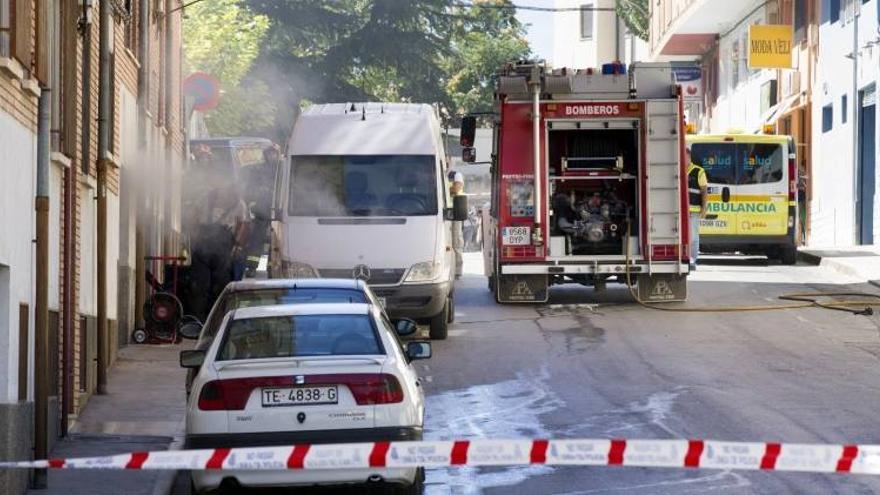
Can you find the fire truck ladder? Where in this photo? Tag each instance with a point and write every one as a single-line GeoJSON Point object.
{"type": "Point", "coordinates": [664, 215]}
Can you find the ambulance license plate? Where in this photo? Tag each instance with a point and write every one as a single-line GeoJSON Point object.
{"type": "Point", "coordinates": [516, 236]}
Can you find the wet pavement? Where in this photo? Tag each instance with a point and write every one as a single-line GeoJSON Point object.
{"type": "Point", "coordinates": [579, 368]}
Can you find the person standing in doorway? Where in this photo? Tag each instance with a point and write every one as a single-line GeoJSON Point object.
{"type": "Point", "coordinates": [456, 187]}
{"type": "Point", "coordinates": [698, 198]}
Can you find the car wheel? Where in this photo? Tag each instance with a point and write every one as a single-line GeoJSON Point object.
{"type": "Point", "coordinates": [788, 255]}
{"type": "Point", "coordinates": [451, 303]}
{"type": "Point", "coordinates": [439, 326]}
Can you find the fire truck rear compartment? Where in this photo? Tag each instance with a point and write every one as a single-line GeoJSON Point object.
{"type": "Point", "coordinates": [593, 176]}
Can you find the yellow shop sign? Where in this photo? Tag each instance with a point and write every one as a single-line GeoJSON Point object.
{"type": "Point", "coordinates": [770, 46]}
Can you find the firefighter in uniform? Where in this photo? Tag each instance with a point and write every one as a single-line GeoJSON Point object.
{"type": "Point", "coordinates": [698, 197]}
{"type": "Point", "coordinates": [456, 187]}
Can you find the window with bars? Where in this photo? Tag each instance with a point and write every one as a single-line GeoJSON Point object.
{"type": "Point", "coordinates": [5, 27]}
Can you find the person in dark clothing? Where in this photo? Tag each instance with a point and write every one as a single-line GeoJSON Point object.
{"type": "Point", "coordinates": [259, 190]}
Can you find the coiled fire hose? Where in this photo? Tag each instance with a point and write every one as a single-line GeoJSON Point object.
{"type": "Point", "coordinates": [863, 306]}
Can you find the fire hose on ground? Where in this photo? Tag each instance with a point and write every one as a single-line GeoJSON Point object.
{"type": "Point", "coordinates": [862, 306]}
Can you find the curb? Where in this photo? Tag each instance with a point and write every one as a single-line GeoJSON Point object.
{"type": "Point", "coordinates": [808, 257]}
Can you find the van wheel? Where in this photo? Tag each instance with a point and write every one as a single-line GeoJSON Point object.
{"type": "Point", "coordinates": [439, 326]}
{"type": "Point", "coordinates": [788, 255]}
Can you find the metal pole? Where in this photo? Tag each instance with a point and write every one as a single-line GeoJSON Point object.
{"type": "Point", "coordinates": [41, 306]}
{"type": "Point", "coordinates": [104, 123]}
{"type": "Point", "coordinates": [854, 121]}
{"type": "Point", "coordinates": [535, 82]}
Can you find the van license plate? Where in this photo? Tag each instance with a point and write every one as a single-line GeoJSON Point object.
{"type": "Point", "coordinates": [300, 396]}
{"type": "Point", "coordinates": [516, 236]}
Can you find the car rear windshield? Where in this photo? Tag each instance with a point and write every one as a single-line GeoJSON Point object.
{"type": "Point", "coordinates": [739, 163]}
{"type": "Point", "coordinates": [369, 185]}
{"type": "Point", "coordinates": [274, 297]}
{"type": "Point", "coordinates": [307, 335]}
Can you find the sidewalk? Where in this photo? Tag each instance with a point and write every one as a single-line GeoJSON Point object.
{"type": "Point", "coordinates": [143, 410]}
{"type": "Point", "coordinates": [857, 261]}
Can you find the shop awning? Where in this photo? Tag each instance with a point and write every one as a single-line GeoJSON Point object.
{"type": "Point", "coordinates": [775, 112]}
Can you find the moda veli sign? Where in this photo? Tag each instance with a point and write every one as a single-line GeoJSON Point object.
{"type": "Point", "coordinates": [770, 46]}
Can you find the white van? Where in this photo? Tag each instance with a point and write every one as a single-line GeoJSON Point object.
{"type": "Point", "coordinates": [364, 195]}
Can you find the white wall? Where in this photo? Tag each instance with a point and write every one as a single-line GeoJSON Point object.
{"type": "Point", "coordinates": [834, 165]}
{"type": "Point", "coordinates": [18, 169]}
{"type": "Point", "coordinates": [56, 195]}
{"type": "Point", "coordinates": [87, 302]}
{"type": "Point", "coordinates": [570, 50]}
{"type": "Point", "coordinates": [738, 105]}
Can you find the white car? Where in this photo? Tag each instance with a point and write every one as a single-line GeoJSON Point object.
{"type": "Point", "coordinates": [306, 373]}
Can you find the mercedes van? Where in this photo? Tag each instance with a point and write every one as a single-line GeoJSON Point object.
{"type": "Point", "coordinates": [752, 205]}
{"type": "Point", "coordinates": [363, 195]}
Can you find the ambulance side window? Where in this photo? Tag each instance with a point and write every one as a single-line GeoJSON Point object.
{"type": "Point", "coordinates": [717, 159]}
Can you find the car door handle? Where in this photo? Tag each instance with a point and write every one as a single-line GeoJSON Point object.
{"type": "Point", "coordinates": [725, 194]}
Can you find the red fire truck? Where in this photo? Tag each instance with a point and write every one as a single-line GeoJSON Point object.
{"type": "Point", "coordinates": [589, 182]}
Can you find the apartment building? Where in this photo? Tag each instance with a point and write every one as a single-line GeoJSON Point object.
{"type": "Point", "coordinates": [714, 35]}
{"type": "Point", "coordinates": [845, 208]}
{"type": "Point", "coordinates": [52, 50]}
{"type": "Point", "coordinates": [588, 33]}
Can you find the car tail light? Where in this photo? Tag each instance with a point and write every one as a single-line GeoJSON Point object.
{"type": "Point", "coordinates": [376, 389]}
{"type": "Point", "coordinates": [664, 252]}
{"type": "Point", "coordinates": [367, 389]}
{"type": "Point", "coordinates": [792, 177]}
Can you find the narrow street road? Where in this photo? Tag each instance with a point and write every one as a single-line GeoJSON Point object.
{"type": "Point", "coordinates": [619, 370]}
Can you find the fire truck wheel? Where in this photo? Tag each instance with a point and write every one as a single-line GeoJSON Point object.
{"type": "Point", "coordinates": [139, 336]}
{"type": "Point", "coordinates": [439, 326]}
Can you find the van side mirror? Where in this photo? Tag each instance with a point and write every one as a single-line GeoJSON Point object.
{"type": "Point", "coordinates": [459, 208]}
{"type": "Point", "coordinates": [468, 131]}
{"type": "Point", "coordinates": [405, 326]}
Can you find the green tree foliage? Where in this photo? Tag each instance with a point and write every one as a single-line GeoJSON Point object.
{"type": "Point", "coordinates": [354, 50]}
{"type": "Point", "coordinates": [635, 15]}
{"type": "Point", "coordinates": [483, 40]}
{"type": "Point", "coordinates": [223, 38]}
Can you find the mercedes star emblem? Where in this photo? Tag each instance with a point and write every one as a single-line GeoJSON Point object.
{"type": "Point", "coordinates": [361, 272]}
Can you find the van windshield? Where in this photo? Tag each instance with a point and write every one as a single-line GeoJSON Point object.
{"type": "Point", "coordinates": [739, 163]}
{"type": "Point", "coordinates": [372, 185]}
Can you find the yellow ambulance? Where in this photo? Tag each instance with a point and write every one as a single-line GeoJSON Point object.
{"type": "Point", "coordinates": [752, 205]}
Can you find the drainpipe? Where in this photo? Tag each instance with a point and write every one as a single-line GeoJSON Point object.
{"type": "Point", "coordinates": [104, 123]}
{"type": "Point", "coordinates": [854, 121]}
{"type": "Point", "coordinates": [41, 306]}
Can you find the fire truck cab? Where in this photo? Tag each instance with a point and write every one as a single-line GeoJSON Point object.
{"type": "Point", "coordinates": [589, 183]}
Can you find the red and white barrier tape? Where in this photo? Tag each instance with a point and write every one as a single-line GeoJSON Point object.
{"type": "Point", "coordinates": [709, 454]}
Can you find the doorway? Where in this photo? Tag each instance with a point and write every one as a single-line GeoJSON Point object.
{"type": "Point", "coordinates": [867, 163]}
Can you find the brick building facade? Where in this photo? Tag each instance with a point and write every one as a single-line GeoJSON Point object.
{"type": "Point", "coordinates": [42, 47]}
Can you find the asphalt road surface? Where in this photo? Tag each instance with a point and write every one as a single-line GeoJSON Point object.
{"type": "Point", "coordinates": [578, 367]}
{"type": "Point", "coordinates": [574, 368]}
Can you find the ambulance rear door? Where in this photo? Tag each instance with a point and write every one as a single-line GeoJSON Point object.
{"type": "Point", "coordinates": [761, 196]}
{"type": "Point", "coordinates": [718, 159]}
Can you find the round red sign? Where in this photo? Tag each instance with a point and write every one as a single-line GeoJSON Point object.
{"type": "Point", "coordinates": [204, 89]}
